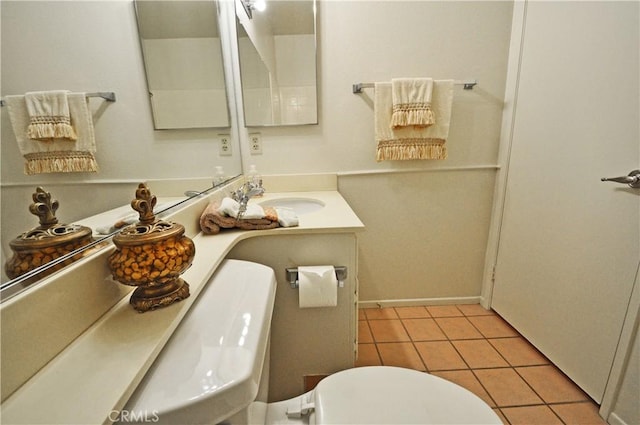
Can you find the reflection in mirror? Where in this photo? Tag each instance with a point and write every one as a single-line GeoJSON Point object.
{"type": "Point", "coordinates": [183, 61]}
{"type": "Point", "coordinates": [116, 219]}
{"type": "Point", "coordinates": [277, 51]}
{"type": "Point", "coordinates": [54, 21]}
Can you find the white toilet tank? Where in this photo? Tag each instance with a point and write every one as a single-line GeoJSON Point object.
{"type": "Point", "coordinates": [211, 367]}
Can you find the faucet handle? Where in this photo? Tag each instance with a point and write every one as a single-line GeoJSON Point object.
{"type": "Point", "coordinates": [237, 194]}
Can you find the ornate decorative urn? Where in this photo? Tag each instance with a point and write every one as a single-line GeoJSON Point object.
{"type": "Point", "coordinates": [47, 242]}
{"type": "Point", "coordinates": [151, 255]}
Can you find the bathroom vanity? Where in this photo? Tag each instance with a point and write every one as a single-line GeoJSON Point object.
{"type": "Point", "coordinates": [306, 341]}
{"type": "Point", "coordinates": [74, 350]}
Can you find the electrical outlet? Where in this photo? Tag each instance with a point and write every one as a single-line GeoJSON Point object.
{"type": "Point", "coordinates": [225, 145]}
{"type": "Point", "coordinates": [255, 144]}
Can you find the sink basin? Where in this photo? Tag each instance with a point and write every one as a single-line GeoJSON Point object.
{"type": "Point", "coordinates": [299, 205]}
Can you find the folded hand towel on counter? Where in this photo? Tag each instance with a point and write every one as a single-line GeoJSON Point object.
{"type": "Point", "coordinates": [58, 155]}
{"type": "Point", "coordinates": [411, 142]}
{"type": "Point", "coordinates": [412, 102]}
{"type": "Point", "coordinates": [286, 217]}
{"type": "Point", "coordinates": [213, 220]}
{"type": "Point", "coordinates": [49, 116]}
{"type": "Point", "coordinates": [231, 208]}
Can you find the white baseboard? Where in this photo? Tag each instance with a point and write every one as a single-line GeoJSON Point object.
{"type": "Point", "coordinates": [418, 302]}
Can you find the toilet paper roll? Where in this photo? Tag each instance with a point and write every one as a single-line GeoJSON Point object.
{"type": "Point", "coordinates": [318, 286]}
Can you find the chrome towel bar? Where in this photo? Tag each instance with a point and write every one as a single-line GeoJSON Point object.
{"type": "Point", "coordinates": [109, 96]}
{"type": "Point", "coordinates": [467, 85]}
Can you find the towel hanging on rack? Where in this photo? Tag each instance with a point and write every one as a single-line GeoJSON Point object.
{"type": "Point", "coordinates": [56, 155]}
{"type": "Point", "coordinates": [412, 102]}
{"type": "Point", "coordinates": [409, 142]}
{"type": "Point", "coordinates": [49, 116]}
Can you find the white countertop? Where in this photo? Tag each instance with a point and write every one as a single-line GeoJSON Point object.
{"type": "Point", "coordinates": [96, 374]}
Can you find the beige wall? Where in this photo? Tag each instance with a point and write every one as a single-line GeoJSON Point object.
{"type": "Point", "coordinates": [363, 41]}
{"type": "Point", "coordinates": [376, 40]}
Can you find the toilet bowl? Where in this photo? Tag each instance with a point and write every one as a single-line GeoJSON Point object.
{"type": "Point", "coordinates": [383, 395]}
{"type": "Point", "coordinates": [214, 370]}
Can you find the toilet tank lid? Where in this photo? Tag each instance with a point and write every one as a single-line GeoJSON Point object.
{"type": "Point", "coordinates": [384, 395]}
{"type": "Point", "coordinates": [212, 363]}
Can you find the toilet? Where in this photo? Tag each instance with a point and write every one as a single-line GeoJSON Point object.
{"type": "Point", "coordinates": [215, 370]}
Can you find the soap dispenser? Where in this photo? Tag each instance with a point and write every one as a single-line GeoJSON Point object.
{"type": "Point", "coordinates": [219, 177]}
{"type": "Point", "coordinates": [253, 177]}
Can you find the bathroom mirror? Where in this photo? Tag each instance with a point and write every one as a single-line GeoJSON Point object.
{"type": "Point", "coordinates": [101, 239]}
{"type": "Point", "coordinates": [116, 25]}
{"type": "Point", "coordinates": [183, 62]}
{"type": "Point", "coordinates": [277, 54]}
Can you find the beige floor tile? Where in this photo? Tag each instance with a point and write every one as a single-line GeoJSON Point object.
{"type": "Point", "coordinates": [380, 313]}
{"type": "Point", "coordinates": [361, 314]}
{"type": "Point", "coordinates": [579, 413]}
{"type": "Point", "coordinates": [478, 353]}
{"type": "Point", "coordinates": [530, 415]}
{"type": "Point", "coordinates": [368, 355]}
{"type": "Point", "coordinates": [440, 355]}
{"type": "Point", "coordinates": [476, 349]}
{"type": "Point", "coordinates": [388, 331]}
{"type": "Point", "coordinates": [466, 379]}
{"type": "Point", "coordinates": [518, 351]}
{"type": "Point", "coordinates": [492, 326]}
{"type": "Point", "coordinates": [364, 333]}
{"type": "Point", "coordinates": [457, 328]}
{"type": "Point", "coordinates": [444, 311]}
{"type": "Point", "coordinates": [551, 384]}
{"type": "Point", "coordinates": [506, 387]}
{"type": "Point", "coordinates": [423, 330]}
{"type": "Point", "coordinates": [412, 312]}
{"type": "Point", "coordinates": [474, 310]}
{"type": "Point", "coordinates": [401, 354]}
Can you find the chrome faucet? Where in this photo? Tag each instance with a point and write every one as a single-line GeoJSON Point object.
{"type": "Point", "coordinates": [246, 192]}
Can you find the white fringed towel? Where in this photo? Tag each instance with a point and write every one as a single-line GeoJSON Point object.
{"type": "Point", "coordinates": [49, 116]}
{"type": "Point", "coordinates": [407, 143]}
{"type": "Point", "coordinates": [412, 102]}
{"type": "Point", "coordinates": [57, 155]}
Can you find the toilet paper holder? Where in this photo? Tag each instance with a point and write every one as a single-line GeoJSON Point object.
{"type": "Point", "coordinates": [292, 276]}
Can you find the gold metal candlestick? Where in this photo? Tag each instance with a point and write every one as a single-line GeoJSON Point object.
{"type": "Point", "coordinates": [151, 255]}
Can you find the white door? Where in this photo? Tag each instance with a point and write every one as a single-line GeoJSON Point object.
{"type": "Point", "coordinates": [569, 243]}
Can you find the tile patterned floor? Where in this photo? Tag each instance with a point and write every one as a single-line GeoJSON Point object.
{"type": "Point", "coordinates": [478, 350]}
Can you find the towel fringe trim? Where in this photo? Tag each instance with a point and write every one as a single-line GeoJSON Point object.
{"type": "Point", "coordinates": [48, 128]}
{"type": "Point", "coordinates": [60, 162]}
{"type": "Point", "coordinates": [400, 150]}
{"type": "Point", "coordinates": [417, 114]}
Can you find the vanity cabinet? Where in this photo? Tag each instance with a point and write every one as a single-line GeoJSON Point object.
{"type": "Point", "coordinates": [306, 341]}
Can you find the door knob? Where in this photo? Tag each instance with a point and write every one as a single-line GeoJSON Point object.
{"type": "Point", "coordinates": [632, 179]}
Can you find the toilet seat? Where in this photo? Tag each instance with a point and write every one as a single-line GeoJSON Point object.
{"type": "Point", "coordinates": [393, 395]}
